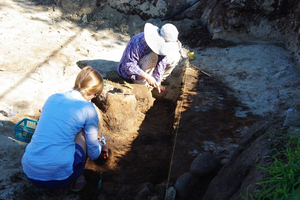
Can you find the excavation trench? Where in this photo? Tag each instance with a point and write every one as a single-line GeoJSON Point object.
{"type": "Point", "coordinates": [146, 159]}
{"type": "Point", "coordinates": [173, 132]}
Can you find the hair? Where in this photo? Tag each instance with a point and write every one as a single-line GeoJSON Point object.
{"type": "Point", "coordinates": [89, 80]}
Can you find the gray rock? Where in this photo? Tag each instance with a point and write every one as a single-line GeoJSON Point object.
{"type": "Point", "coordinates": [203, 165]}
{"type": "Point", "coordinates": [185, 185]}
{"type": "Point", "coordinates": [145, 191]}
{"type": "Point", "coordinates": [292, 118]}
{"type": "Point", "coordinates": [237, 177]}
{"type": "Point", "coordinates": [171, 193]}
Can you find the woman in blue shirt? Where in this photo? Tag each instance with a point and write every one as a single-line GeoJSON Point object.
{"type": "Point", "coordinates": [67, 132]}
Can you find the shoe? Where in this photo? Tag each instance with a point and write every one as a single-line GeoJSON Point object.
{"type": "Point", "coordinates": [78, 185]}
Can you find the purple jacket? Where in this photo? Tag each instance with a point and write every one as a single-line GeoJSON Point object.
{"type": "Point", "coordinates": [136, 48]}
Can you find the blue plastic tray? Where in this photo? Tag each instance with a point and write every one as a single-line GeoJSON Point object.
{"type": "Point", "coordinates": [24, 129]}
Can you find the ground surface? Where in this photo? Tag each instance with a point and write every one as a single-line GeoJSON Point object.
{"type": "Point", "coordinates": [226, 88]}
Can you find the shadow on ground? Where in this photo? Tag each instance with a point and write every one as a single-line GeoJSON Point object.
{"type": "Point", "coordinates": [203, 120]}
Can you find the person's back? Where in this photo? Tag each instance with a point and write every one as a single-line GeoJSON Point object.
{"type": "Point", "coordinates": [136, 49]}
{"type": "Point", "coordinates": [63, 117]}
{"type": "Point", "coordinates": [66, 133]}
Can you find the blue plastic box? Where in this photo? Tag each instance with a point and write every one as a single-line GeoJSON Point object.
{"type": "Point", "coordinates": [24, 129]}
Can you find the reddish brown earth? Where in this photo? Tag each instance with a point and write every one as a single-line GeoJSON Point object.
{"type": "Point", "coordinates": [147, 160]}
{"type": "Point", "coordinates": [203, 112]}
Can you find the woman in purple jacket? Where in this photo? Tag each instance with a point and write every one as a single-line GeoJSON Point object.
{"type": "Point", "coordinates": [150, 56]}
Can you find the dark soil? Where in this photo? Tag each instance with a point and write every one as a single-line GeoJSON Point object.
{"type": "Point", "coordinates": [199, 36]}
{"type": "Point", "coordinates": [148, 159]}
{"type": "Point", "coordinates": [204, 112]}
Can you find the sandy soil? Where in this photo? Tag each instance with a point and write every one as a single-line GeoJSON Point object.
{"type": "Point", "coordinates": [225, 90]}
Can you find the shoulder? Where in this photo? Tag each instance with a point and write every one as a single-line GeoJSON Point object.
{"type": "Point", "coordinates": [55, 97]}
{"type": "Point", "coordinates": [138, 37]}
{"type": "Point", "coordinates": [89, 109]}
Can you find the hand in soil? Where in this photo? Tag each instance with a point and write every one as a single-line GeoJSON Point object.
{"type": "Point", "coordinates": [162, 89]}
{"type": "Point", "coordinates": [104, 152]}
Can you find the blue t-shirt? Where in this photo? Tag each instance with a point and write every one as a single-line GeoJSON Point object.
{"type": "Point", "coordinates": [50, 154]}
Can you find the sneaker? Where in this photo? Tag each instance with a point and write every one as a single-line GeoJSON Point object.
{"type": "Point", "coordinates": [78, 185]}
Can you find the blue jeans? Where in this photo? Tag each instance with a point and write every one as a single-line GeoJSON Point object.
{"type": "Point", "coordinates": [78, 167]}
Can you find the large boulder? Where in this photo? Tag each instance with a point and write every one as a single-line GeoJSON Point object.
{"type": "Point", "coordinates": [238, 177]}
{"type": "Point", "coordinates": [185, 186]}
{"type": "Point", "coordinates": [204, 164]}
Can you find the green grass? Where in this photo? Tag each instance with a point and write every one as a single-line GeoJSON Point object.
{"type": "Point", "coordinates": [283, 180]}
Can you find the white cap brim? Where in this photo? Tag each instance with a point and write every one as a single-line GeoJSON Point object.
{"type": "Point", "coordinates": [156, 42]}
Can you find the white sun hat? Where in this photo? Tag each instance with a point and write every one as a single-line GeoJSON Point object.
{"type": "Point", "coordinates": [161, 41]}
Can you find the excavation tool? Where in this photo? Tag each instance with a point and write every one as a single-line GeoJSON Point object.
{"type": "Point", "coordinates": [127, 85]}
{"type": "Point", "coordinates": [103, 138]}
{"type": "Point", "coordinates": [100, 181]}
